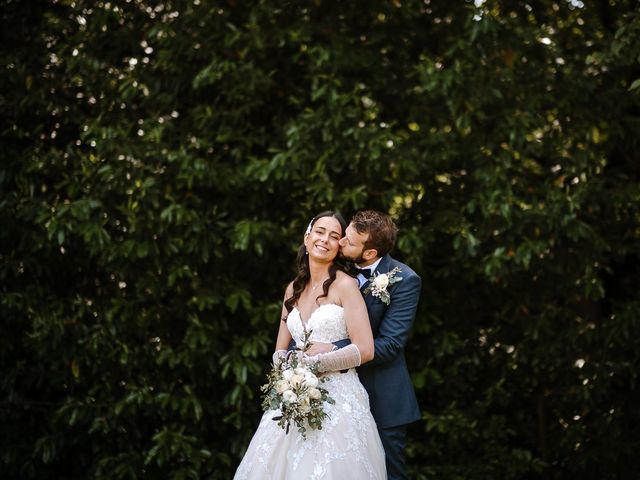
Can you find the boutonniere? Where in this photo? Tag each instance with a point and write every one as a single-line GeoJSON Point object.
{"type": "Point", "coordinates": [379, 282]}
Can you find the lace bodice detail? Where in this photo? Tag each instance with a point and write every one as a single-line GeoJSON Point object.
{"type": "Point", "coordinates": [326, 324]}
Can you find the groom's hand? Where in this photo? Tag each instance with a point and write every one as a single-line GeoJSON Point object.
{"type": "Point", "coordinates": [318, 348]}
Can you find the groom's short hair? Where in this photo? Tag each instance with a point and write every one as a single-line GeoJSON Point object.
{"type": "Point", "coordinates": [380, 227]}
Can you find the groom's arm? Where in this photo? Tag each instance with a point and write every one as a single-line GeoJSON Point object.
{"type": "Point", "coordinates": [342, 343]}
{"type": "Point", "coordinates": [339, 343]}
{"type": "Point", "coordinates": [398, 319]}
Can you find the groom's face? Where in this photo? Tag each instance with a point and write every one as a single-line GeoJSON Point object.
{"type": "Point", "coordinates": [352, 245]}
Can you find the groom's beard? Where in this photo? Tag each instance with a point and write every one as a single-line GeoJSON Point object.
{"type": "Point", "coordinates": [357, 260]}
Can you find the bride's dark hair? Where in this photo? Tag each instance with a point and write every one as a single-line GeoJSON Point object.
{"type": "Point", "coordinates": [302, 264]}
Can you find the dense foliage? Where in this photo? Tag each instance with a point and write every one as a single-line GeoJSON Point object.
{"type": "Point", "coordinates": [162, 158]}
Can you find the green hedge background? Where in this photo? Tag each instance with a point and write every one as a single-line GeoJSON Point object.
{"type": "Point", "coordinates": [161, 160]}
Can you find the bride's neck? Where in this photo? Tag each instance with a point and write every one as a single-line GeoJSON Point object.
{"type": "Point", "coordinates": [318, 272]}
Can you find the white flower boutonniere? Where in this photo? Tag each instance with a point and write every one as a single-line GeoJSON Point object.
{"type": "Point", "coordinates": [379, 282]}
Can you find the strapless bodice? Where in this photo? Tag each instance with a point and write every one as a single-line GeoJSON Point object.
{"type": "Point", "coordinates": [326, 324]}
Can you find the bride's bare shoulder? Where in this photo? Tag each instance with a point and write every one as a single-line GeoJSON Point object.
{"type": "Point", "coordinates": [346, 281]}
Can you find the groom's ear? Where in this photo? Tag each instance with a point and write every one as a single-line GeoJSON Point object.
{"type": "Point", "coordinates": [370, 254]}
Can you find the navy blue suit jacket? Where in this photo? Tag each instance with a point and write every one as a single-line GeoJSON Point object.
{"type": "Point", "coordinates": [386, 377]}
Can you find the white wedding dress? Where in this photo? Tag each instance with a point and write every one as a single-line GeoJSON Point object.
{"type": "Point", "coordinates": [347, 447]}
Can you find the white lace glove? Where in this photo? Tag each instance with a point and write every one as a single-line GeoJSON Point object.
{"type": "Point", "coordinates": [278, 355]}
{"type": "Point", "coordinates": [342, 359]}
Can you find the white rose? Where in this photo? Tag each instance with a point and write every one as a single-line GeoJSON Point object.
{"type": "Point", "coordinates": [381, 281]}
{"type": "Point", "coordinates": [287, 374]}
{"type": "Point", "coordinates": [296, 380]}
{"type": "Point", "coordinates": [282, 385]}
{"type": "Point", "coordinates": [301, 371]}
{"type": "Point", "coordinates": [305, 406]}
{"type": "Point", "coordinates": [315, 394]}
{"type": "Point", "coordinates": [289, 397]}
{"type": "Point", "coordinates": [310, 381]}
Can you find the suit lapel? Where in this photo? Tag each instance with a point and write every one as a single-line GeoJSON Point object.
{"type": "Point", "coordinates": [364, 285]}
{"type": "Point", "coordinates": [375, 307]}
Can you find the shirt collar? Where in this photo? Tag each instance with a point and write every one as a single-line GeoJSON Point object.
{"type": "Point", "coordinates": [373, 266]}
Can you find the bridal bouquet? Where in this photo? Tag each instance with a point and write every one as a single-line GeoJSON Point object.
{"type": "Point", "coordinates": [294, 389]}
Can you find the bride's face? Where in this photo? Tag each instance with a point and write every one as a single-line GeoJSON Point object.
{"type": "Point", "coordinates": [323, 241]}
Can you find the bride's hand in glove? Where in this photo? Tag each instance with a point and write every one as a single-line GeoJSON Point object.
{"type": "Point", "coordinates": [310, 360]}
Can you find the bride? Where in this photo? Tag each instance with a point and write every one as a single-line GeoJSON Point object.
{"type": "Point", "coordinates": [326, 301]}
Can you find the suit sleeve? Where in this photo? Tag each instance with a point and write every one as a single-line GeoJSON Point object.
{"type": "Point", "coordinates": [398, 319]}
{"type": "Point", "coordinates": [342, 343]}
{"type": "Point", "coordinates": [338, 343]}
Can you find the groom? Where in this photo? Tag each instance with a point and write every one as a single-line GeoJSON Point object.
{"type": "Point", "coordinates": [392, 307]}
